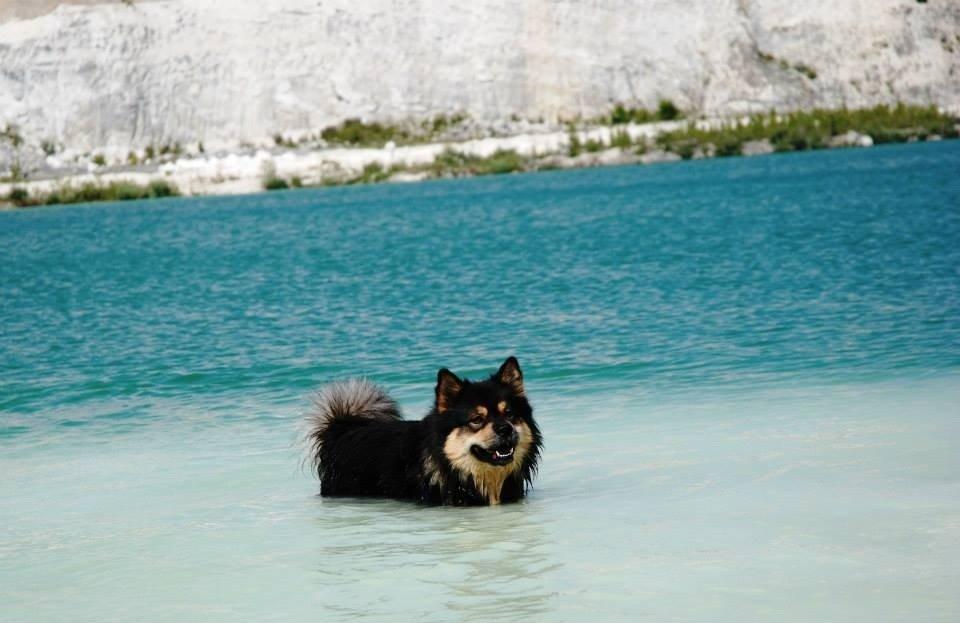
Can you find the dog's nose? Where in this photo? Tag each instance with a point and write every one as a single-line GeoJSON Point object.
{"type": "Point", "coordinates": [504, 429]}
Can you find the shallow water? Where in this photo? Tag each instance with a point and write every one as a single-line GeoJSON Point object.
{"type": "Point", "coordinates": [747, 372]}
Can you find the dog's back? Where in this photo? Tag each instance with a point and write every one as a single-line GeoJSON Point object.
{"type": "Point", "coordinates": [360, 444]}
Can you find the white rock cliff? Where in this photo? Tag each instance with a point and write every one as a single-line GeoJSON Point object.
{"type": "Point", "coordinates": [127, 74]}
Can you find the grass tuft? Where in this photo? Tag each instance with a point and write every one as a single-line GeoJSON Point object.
{"type": "Point", "coordinates": [800, 131]}
{"type": "Point", "coordinates": [91, 192]}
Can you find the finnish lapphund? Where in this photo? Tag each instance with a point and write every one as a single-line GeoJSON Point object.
{"type": "Point", "coordinates": [478, 445]}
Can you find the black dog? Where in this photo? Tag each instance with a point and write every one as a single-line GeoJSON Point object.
{"type": "Point", "coordinates": [478, 445]}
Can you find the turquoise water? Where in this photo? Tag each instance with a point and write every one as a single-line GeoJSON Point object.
{"type": "Point", "coordinates": [747, 372]}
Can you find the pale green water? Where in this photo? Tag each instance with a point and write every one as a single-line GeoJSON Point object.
{"type": "Point", "coordinates": [747, 373]}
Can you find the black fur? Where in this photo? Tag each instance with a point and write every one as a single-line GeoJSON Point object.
{"type": "Point", "coordinates": [361, 446]}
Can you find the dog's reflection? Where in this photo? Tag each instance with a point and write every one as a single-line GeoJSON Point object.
{"type": "Point", "coordinates": [378, 558]}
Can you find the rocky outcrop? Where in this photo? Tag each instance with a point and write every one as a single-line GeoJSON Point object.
{"type": "Point", "coordinates": [128, 74]}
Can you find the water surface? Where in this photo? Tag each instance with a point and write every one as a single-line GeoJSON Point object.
{"type": "Point", "coordinates": [747, 372]}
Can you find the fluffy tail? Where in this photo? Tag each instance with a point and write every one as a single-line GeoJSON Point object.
{"type": "Point", "coordinates": [341, 405]}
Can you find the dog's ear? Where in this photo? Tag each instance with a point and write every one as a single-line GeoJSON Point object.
{"type": "Point", "coordinates": [510, 375]}
{"type": "Point", "coordinates": [448, 386]}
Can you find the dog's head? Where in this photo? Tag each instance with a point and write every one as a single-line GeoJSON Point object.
{"type": "Point", "coordinates": [487, 428]}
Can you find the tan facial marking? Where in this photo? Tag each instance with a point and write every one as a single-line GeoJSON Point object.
{"type": "Point", "coordinates": [502, 406]}
{"type": "Point", "coordinates": [488, 478]}
{"type": "Point", "coordinates": [481, 411]}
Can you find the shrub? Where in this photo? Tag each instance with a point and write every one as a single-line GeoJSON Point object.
{"type": "Point", "coordinates": [126, 191]}
{"type": "Point", "coordinates": [99, 160]}
{"type": "Point", "coordinates": [174, 149]}
{"type": "Point", "coordinates": [621, 140]}
{"type": "Point", "coordinates": [372, 173]}
{"type": "Point", "coordinates": [162, 188]}
{"type": "Point", "coordinates": [576, 147]}
{"type": "Point", "coordinates": [12, 134]}
{"type": "Point", "coordinates": [813, 129]}
{"type": "Point", "coordinates": [728, 146]}
{"type": "Point", "coordinates": [454, 163]}
{"type": "Point", "coordinates": [441, 123]}
{"type": "Point", "coordinates": [502, 161]}
{"type": "Point", "coordinates": [275, 183]}
{"type": "Point", "coordinates": [684, 149]}
{"type": "Point", "coordinates": [19, 196]}
{"type": "Point", "coordinates": [806, 70]}
{"type": "Point", "coordinates": [114, 191]}
{"type": "Point", "coordinates": [17, 173]}
{"type": "Point", "coordinates": [356, 132]}
{"type": "Point", "coordinates": [593, 145]}
{"type": "Point", "coordinates": [667, 111]}
{"type": "Point", "coordinates": [622, 114]}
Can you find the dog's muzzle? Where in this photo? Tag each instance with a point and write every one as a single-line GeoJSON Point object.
{"type": "Point", "coordinates": [502, 451]}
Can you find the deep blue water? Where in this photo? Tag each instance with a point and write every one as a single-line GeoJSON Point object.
{"type": "Point", "coordinates": [825, 265]}
{"type": "Point", "coordinates": [182, 337]}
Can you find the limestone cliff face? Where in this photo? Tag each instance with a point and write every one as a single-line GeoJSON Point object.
{"type": "Point", "coordinates": [116, 75]}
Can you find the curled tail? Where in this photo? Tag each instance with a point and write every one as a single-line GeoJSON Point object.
{"type": "Point", "coordinates": [341, 406]}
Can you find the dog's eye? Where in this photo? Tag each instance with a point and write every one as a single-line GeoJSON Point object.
{"type": "Point", "coordinates": [476, 421]}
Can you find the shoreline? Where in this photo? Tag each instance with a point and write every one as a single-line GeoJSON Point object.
{"type": "Point", "coordinates": [614, 143]}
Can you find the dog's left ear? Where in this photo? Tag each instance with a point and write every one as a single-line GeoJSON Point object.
{"type": "Point", "coordinates": [448, 386]}
{"type": "Point", "coordinates": [510, 375]}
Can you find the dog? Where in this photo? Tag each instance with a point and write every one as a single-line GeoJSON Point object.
{"type": "Point", "coordinates": [478, 445]}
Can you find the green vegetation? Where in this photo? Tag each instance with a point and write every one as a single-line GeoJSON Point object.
{"type": "Point", "coordinates": [89, 192]}
{"type": "Point", "coordinates": [452, 163]}
{"type": "Point", "coordinates": [174, 150]}
{"type": "Point", "coordinates": [621, 140]}
{"type": "Point", "coordinates": [666, 111]}
{"type": "Point", "coordinates": [275, 183]}
{"type": "Point", "coordinates": [804, 69]}
{"type": "Point", "coordinates": [357, 133]}
{"type": "Point", "coordinates": [12, 134]}
{"type": "Point", "coordinates": [281, 141]}
{"type": "Point", "coordinates": [442, 123]}
{"type": "Point", "coordinates": [787, 132]}
{"type": "Point", "coordinates": [813, 129]}
{"type": "Point", "coordinates": [780, 132]}
{"type": "Point", "coordinates": [17, 173]}
{"type": "Point", "coordinates": [593, 146]}
{"type": "Point", "coordinates": [18, 196]}
{"type": "Point", "coordinates": [372, 173]}
{"type": "Point", "coordinates": [576, 147]}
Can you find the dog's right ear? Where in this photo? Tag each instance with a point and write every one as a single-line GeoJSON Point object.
{"type": "Point", "coordinates": [448, 386]}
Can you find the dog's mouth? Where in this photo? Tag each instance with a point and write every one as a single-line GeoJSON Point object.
{"type": "Point", "coordinates": [501, 455]}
